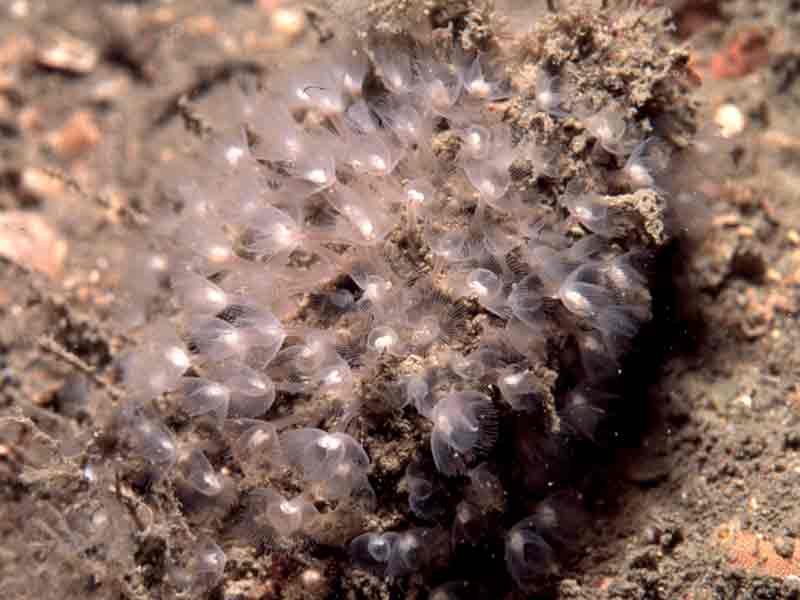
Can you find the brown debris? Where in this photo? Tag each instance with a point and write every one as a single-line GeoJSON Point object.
{"type": "Point", "coordinates": [288, 21]}
{"type": "Point", "coordinates": [750, 552]}
{"type": "Point", "coordinates": [760, 310]}
{"type": "Point", "coordinates": [79, 134]}
{"type": "Point", "coordinates": [780, 140]}
{"type": "Point", "coordinates": [68, 53]}
{"type": "Point", "coordinates": [647, 210]}
{"type": "Point", "coordinates": [15, 49]}
{"type": "Point", "coordinates": [201, 25]}
{"type": "Point", "coordinates": [110, 89]}
{"type": "Point", "coordinates": [41, 185]}
{"type": "Point", "coordinates": [28, 240]}
{"type": "Point", "coordinates": [30, 119]}
{"type": "Point", "coordinates": [748, 51]}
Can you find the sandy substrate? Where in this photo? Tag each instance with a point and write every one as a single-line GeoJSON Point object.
{"type": "Point", "coordinates": [700, 504]}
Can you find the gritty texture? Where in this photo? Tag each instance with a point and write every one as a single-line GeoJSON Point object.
{"type": "Point", "coordinates": [682, 512]}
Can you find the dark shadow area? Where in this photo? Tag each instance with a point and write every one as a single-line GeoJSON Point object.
{"type": "Point", "coordinates": [584, 484]}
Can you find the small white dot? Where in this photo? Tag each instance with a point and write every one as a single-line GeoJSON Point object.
{"type": "Point", "coordinates": [416, 196]}
{"type": "Point", "coordinates": [378, 163]}
{"type": "Point", "coordinates": [318, 176]}
{"type": "Point", "coordinates": [178, 357]}
{"type": "Point", "coordinates": [233, 154]}
{"type": "Point", "coordinates": [478, 288]}
{"type": "Point", "coordinates": [329, 442]}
